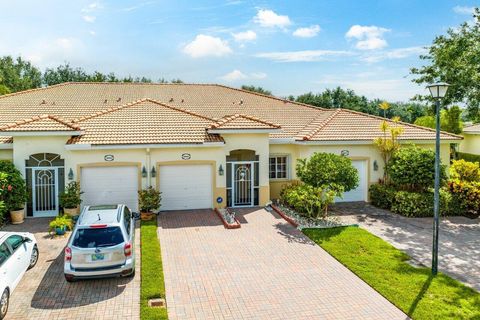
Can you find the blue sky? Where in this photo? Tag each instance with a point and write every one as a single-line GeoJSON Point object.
{"type": "Point", "coordinates": [288, 47]}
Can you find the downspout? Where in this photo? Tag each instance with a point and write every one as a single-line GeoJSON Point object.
{"type": "Point", "coordinates": [149, 172]}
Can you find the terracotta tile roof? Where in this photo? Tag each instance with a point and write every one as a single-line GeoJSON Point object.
{"type": "Point", "coordinates": [350, 125]}
{"type": "Point", "coordinates": [144, 122]}
{"type": "Point", "coordinates": [472, 129]}
{"type": "Point", "coordinates": [240, 121]}
{"type": "Point", "coordinates": [100, 107]}
{"type": "Point", "coordinates": [41, 123]}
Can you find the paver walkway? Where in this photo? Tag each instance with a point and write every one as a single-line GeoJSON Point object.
{"type": "Point", "coordinates": [459, 249]}
{"type": "Point", "coordinates": [43, 292]}
{"type": "Point", "coordinates": [264, 270]}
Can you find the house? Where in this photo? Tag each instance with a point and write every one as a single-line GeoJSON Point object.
{"type": "Point", "coordinates": [471, 142]}
{"type": "Point", "coordinates": [201, 145]}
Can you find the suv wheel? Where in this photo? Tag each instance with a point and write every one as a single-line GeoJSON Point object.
{"type": "Point", "coordinates": [4, 303]}
{"type": "Point", "coordinates": [33, 258]}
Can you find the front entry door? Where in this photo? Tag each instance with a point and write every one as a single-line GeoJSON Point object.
{"type": "Point", "coordinates": [45, 191]}
{"type": "Point", "coordinates": [242, 177]}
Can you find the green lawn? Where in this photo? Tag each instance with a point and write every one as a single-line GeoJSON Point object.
{"type": "Point", "coordinates": [383, 267]}
{"type": "Point", "coordinates": [153, 285]}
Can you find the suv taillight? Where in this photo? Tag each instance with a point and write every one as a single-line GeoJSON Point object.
{"type": "Point", "coordinates": [127, 249]}
{"type": "Point", "coordinates": [68, 254]}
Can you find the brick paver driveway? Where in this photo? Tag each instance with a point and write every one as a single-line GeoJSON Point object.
{"type": "Point", "coordinates": [265, 270]}
{"type": "Point", "coordinates": [43, 292]}
{"type": "Point", "coordinates": [459, 249]}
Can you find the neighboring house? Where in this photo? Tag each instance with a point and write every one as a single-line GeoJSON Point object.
{"type": "Point", "coordinates": [202, 146]}
{"type": "Point", "coordinates": [471, 142]}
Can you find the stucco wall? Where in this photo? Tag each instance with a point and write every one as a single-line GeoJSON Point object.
{"type": "Point", "coordinates": [470, 144]}
{"type": "Point", "coordinates": [6, 154]}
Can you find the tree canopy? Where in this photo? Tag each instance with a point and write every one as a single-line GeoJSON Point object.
{"type": "Point", "coordinates": [455, 58]}
{"type": "Point", "coordinates": [450, 120]}
{"type": "Point", "coordinates": [17, 75]}
{"type": "Point", "coordinates": [257, 90]}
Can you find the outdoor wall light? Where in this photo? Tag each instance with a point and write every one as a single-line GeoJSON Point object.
{"type": "Point", "coordinates": [153, 172]}
{"type": "Point", "coordinates": [375, 165]}
{"type": "Point", "coordinates": [220, 170]}
{"type": "Point", "coordinates": [70, 174]}
{"type": "Point", "coordinates": [144, 172]}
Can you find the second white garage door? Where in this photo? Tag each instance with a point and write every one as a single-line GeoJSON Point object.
{"type": "Point", "coordinates": [360, 193]}
{"type": "Point", "coordinates": [186, 187]}
{"type": "Point", "coordinates": [110, 185]}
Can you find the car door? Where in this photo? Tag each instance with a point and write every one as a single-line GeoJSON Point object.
{"type": "Point", "coordinates": [8, 272]}
{"type": "Point", "coordinates": [20, 258]}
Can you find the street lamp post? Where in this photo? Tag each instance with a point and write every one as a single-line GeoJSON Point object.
{"type": "Point", "coordinates": [438, 91]}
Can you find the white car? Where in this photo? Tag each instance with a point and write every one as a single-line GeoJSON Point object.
{"type": "Point", "coordinates": [101, 244]}
{"type": "Point", "coordinates": [18, 253]}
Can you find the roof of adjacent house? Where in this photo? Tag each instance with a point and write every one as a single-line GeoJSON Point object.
{"type": "Point", "coordinates": [139, 113]}
{"type": "Point", "coordinates": [472, 129]}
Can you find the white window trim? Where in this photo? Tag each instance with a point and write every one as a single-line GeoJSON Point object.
{"type": "Point", "coordinates": [276, 155]}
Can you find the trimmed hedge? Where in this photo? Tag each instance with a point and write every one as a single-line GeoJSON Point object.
{"type": "Point", "coordinates": [468, 156]}
{"type": "Point", "coordinates": [420, 204]}
{"type": "Point", "coordinates": [382, 196]}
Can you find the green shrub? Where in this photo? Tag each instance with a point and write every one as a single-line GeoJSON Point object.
{"type": "Point", "coordinates": [307, 200]}
{"type": "Point", "coordinates": [149, 199]}
{"type": "Point", "coordinates": [328, 171]}
{"type": "Point", "coordinates": [420, 204]}
{"type": "Point", "coordinates": [465, 171]}
{"type": "Point", "coordinates": [70, 198]}
{"type": "Point", "coordinates": [466, 196]}
{"type": "Point", "coordinates": [468, 156]}
{"type": "Point", "coordinates": [413, 168]}
{"type": "Point", "coordinates": [15, 192]}
{"type": "Point", "coordinates": [381, 195]}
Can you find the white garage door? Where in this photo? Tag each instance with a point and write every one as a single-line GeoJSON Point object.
{"type": "Point", "coordinates": [186, 187]}
{"type": "Point", "coordinates": [360, 193]}
{"type": "Point", "coordinates": [110, 185]}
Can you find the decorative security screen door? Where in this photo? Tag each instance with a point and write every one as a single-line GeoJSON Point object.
{"type": "Point", "coordinates": [45, 191]}
{"type": "Point", "coordinates": [242, 183]}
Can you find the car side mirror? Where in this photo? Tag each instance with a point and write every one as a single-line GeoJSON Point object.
{"type": "Point", "coordinates": [136, 215]}
{"type": "Point", "coordinates": [27, 240]}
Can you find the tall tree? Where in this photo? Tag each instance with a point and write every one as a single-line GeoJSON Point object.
{"type": "Point", "coordinates": [455, 58]}
{"type": "Point", "coordinates": [257, 89]}
{"type": "Point", "coordinates": [18, 74]}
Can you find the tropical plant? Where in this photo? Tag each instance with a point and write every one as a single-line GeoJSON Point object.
{"type": "Point", "coordinates": [413, 168]}
{"type": "Point", "coordinates": [465, 171]}
{"type": "Point", "coordinates": [328, 171]}
{"type": "Point", "coordinates": [149, 199]}
{"type": "Point", "coordinates": [3, 190]}
{"type": "Point", "coordinates": [71, 197]}
{"type": "Point", "coordinates": [15, 193]}
{"type": "Point", "coordinates": [61, 222]}
{"type": "Point", "coordinates": [307, 200]}
{"type": "Point", "coordinates": [382, 195]}
{"type": "Point", "coordinates": [388, 144]}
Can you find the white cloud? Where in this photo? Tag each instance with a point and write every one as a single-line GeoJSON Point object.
{"type": "Point", "coordinates": [399, 53]}
{"type": "Point", "coordinates": [236, 75]}
{"type": "Point", "coordinates": [306, 56]}
{"type": "Point", "coordinates": [244, 36]}
{"type": "Point", "coordinates": [368, 37]}
{"type": "Point", "coordinates": [92, 33]}
{"type": "Point", "coordinates": [309, 32]}
{"type": "Point", "coordinates": [268, 18]}
{"type": "Point", "coordinates": [204, 46]}
{"type": "Point", "coordinates": [464, 10]}
{"type": "Point", "coordinates": [89, 19]}
{"type": "Point", "coordinates": [46, 53]}
{"type": "Point", "coordinates": [92, 7]}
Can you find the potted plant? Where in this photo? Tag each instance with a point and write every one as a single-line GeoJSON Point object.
{"type": "Point", "coordinates": [70, 199]}
{"type": "Point", "coordinates": [14, 191]}
{"type": "Point", "coordinates": [61, 224]}
{"type": "Point", "coordinates": [148, 200]}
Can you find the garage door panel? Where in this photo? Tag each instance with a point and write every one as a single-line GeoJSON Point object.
{"type": "Point", "coordinates": [186, 187]}
{"type": "Point", "coordinates": [110, 185]}
{"type": "Point", "coordinates": [358, 194]}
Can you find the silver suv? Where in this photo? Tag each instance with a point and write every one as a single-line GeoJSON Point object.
{"type": "Point", "coordinates": [101, 244]}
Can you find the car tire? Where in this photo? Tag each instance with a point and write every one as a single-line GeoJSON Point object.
{"type": "Point", "coordinates": [4, 300]}
{"type": "Point", "coordinates": [34, 257]}
{"type": "Point", "coordinates": [69, 279]}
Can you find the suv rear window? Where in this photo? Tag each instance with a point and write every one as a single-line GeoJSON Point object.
{"type": "Point", "coordinates": [95, 238]}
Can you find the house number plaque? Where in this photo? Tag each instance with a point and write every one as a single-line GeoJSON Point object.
{"type": "Point", "coordinates": [109, 157]}
{"type": "Point", "coordinates": [186, 156]}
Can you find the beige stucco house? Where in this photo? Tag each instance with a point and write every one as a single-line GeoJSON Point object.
{"type": "Point", "coordinates": [202, 146]}
{"type": "Point", "coordinates": [471, 142]}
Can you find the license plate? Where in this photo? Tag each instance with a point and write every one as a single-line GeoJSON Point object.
{"type": "Point", "coordinates": [98, 256]}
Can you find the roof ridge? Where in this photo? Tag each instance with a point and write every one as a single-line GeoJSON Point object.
{"type": "Point", "coordinates": [320, 126]}
{"type": "Point", "coordinates": [229, 118]}
{"type": "Point", "coordinates": [33, 89]}
{"type": "Point", "coordinates": [401, 122]}
{"type": "Point", "coordinates": [253, 118]}
{"type": "Point", "coordinates": [39, 118]}
{"type": "Point", "coordinates": [180, 109]}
